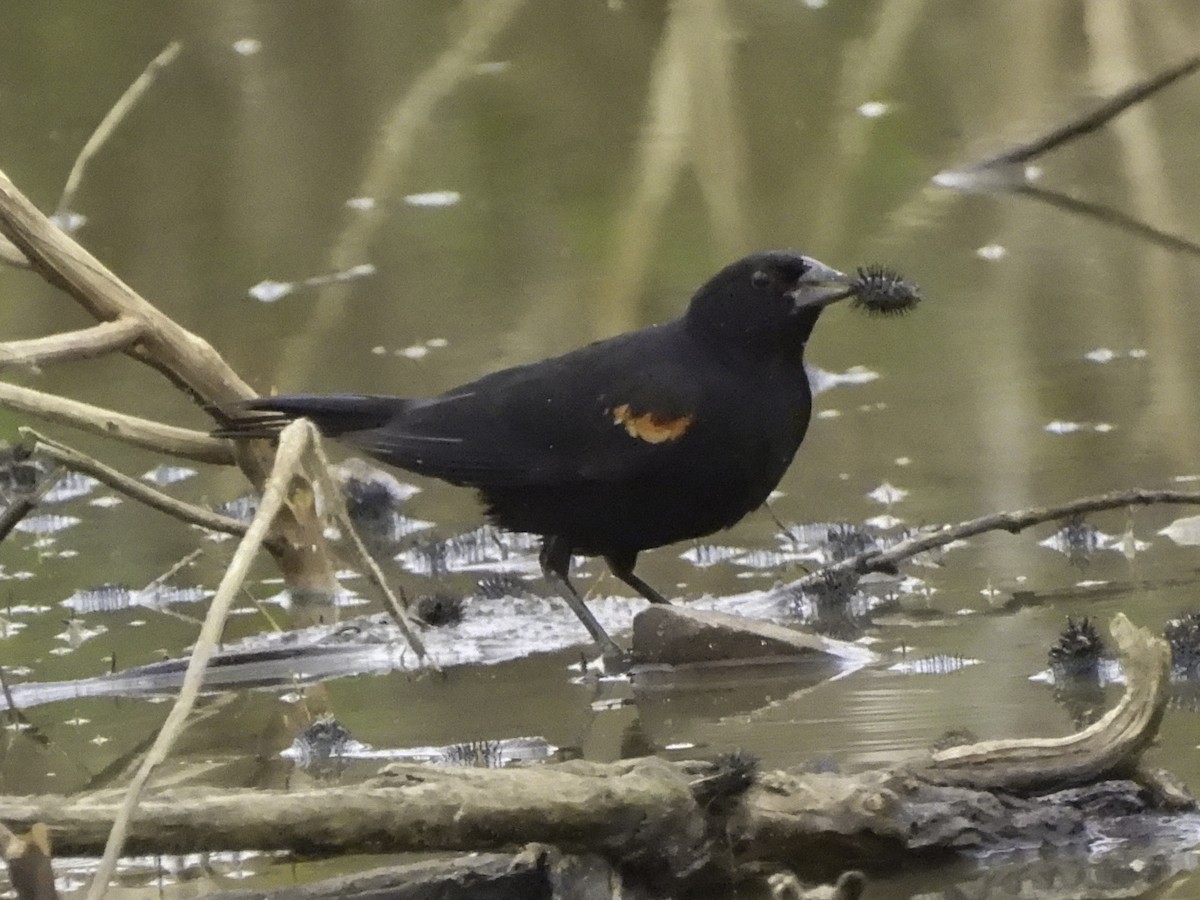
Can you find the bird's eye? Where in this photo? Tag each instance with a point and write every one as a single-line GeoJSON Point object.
{"type": "Point", "coordinates": [760, 279]}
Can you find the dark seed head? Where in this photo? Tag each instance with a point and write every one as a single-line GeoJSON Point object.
{"type": "Point", "coordinates": [1078, 650]}
{"type": "Point", "coordinates": [882, 292]}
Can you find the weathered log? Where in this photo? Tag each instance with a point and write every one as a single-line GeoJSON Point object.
{"type": "Point", "coordinates": [640, 812]}
{"type": "Point", "coordinates": [662, 820]}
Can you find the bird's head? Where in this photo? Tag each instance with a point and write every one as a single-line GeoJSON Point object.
{"type": "Point", "coordinates": [766, 303]}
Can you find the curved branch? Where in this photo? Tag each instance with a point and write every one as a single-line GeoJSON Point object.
{"type": "Point", "coordinates": [118, 334]}
{"type": "Point", "coordinates": [1111, 746]}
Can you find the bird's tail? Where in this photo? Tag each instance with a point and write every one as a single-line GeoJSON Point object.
{"type": "Point", "coordinates": [333, 414]}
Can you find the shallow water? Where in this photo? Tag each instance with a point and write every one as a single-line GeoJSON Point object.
{"type": "Point", "coordinates": [525, 177]}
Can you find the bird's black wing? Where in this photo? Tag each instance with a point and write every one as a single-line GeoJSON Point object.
{"type": "Point", "coordinates": [604, 412]}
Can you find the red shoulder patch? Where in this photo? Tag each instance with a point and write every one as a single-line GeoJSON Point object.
{"type": "Point", "coordinates": [650, 427]}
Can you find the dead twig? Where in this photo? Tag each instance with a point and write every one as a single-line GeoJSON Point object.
{"type": "Point", "coordinates": [97, 340]}
{"type": "Point", "coordinates": [885, 560]}
{"type": "Point", "coordinates": [131, 487]}
{"type": "Point", "coordinates": [398, 609]}
{"type": "Point", "coordinates": [1008, 171]}
{"type": "Point", "coordinates": [188, 361]}
{"type": "Point", "coordinates": [144, 433]}
{"type": "Point", "coordinates": [111, 120]}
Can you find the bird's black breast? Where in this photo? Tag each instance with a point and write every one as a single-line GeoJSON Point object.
{"type": "Point", "coordinates": [685, 471]}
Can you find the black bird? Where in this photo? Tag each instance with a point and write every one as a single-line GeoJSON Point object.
{"type": "Point", "coordinates": [651, 437]}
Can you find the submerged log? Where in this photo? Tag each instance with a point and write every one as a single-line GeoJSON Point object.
{"type": "Point", "coordinates": [675, 823]}
{"type": "Point", "coordinates": [536, 873]}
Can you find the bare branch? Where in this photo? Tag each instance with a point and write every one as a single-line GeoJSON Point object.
{"type": "Point", "coordinates": [876, 560]}
{"type": "Point", "coordinates": [184, 442]}
{"type": "Point", "coordinates": [398, 610]}
{"type": "Point", "coordinates": [83, 344]}
{"type": "Point", "coordinates": [187, 360]}
{"type": "Point", "coordinates": [132, 488]}
{"type": "Point", "coordinates": [109, 123]}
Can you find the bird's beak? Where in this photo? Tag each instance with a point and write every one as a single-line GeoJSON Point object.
{"type": "Point", "coordinates": [820, 286]}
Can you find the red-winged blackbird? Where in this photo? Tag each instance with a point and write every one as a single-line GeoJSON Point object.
{"type": "Point", "coordinates": [648, 438]}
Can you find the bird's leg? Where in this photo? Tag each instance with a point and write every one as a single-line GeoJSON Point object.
{"type": "Point", "coordinates": [555, 560]}
{"type": "Point", "coordinates": [621, 564]}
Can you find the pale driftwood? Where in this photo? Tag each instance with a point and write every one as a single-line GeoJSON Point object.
{"type": "Point", "coordinates": [150, 435]}
{"type": "Point", "coordinates": [945, 799]}
{"type": "Point", "coordinates": [886, 560]}
{"type": "Point", "coordinates": [643, 815]}
{"type": "Point", "coordinates": [185, 359]}
{"type": "Point", "coordinates": [83, 344]}
{"type": "Point", "coordinates": [638, 810]}
{"type": "Point", "coordinates": [292, 442]}
{"type": "Point", "coordinates": [131, 487]}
